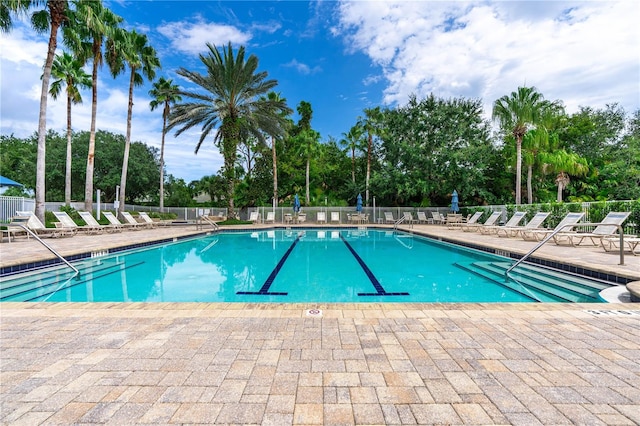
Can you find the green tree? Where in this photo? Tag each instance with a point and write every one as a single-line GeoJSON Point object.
{"type": "Point", "coordinates": [276, 98]}
{"type": "Point", "coordinates": [564, 164]}
{"type": "Point", "coordinates": [68, 73]}
{"type": "Point", "coordinates": [352, 140]}
{"type": "Point", "coordinates": [517, 113]}
{"type": "Point", "coordinates": [128, 48]}
{"type": "Point", "coordinates": [230, 105]}
{"type": "Point", "coordinates": [371, 124]}
{"type": "Point", "coordinates": [53, 16]}
{"type": "Point", "coordinates": [92, 25]}
{"type": "Point", "coordinates": [164, 93]}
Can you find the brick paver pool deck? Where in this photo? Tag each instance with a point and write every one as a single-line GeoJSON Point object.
{"type": "Point", "coordinates": [224, 363]}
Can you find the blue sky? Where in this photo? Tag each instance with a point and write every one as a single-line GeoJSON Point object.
{"type": "Point", "coordinates": [343, 57]}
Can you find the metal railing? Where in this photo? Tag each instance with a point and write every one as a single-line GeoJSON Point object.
{"type": "Point", "coordinates": [556, 231]}
{"type": "Point", "coordinates": [58, 255]}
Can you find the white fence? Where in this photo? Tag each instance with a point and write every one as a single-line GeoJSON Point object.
{"type": "Point", "coordinates": [9, 206]}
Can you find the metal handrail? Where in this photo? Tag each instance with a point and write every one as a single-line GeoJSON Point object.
{"type": "Point", "coordinates": [398, 222]}
{"type": "Point", "coordinates": [571, 226]}
{"type": "Point", "coordinates": [210, 222]}
{"type": "Point", "coordinates": [34, 235]}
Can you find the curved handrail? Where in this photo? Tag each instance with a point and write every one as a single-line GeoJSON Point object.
{"type": "Point", "coordinates": [555, 231]}
{"type": "Point", "coordinates": [398, 222]}
{"type": "Point", "coordinates": [29, 231]}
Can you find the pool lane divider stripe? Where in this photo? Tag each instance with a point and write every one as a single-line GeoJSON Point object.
{"type": "Point", "coordinates": [380, 291]}
{"type": "Point", "coordinates": [264, 290]}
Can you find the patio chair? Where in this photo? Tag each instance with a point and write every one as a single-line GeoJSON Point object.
{"type": "Point", "coordinates": [473, 227]}
{"type": "Point", "coordinates": [254, 217]}
{"type": "Point", "coordinates": [321, 217]}
{"type": "Point", "coordinates": [132, 220]}
{"type": "Point", "coordinates": [603, 229]}
{"type": "Point", "coordinates": [67, 222]}
{"type": "Point", "coordinates": [335, 217]}
{"type": "Point", "coordinates": [91, 221]}
{"type": "Point", "coordinates": [514, 231]}
{"type": "Point", "coordinates": [271, 217]}
{"type": "Point", "coordinates": [539, 234]}
{"type": "Point", "coordinates": [388, 217]}
{"type": "Point", "coordinates": [115, 222]}
{"type": "Point", "coordinates": [302, 217]}
{"type": "Point", "coordinates": [15, 228]}
{"type": "Point", "coordinates": [514, 220]}
{"type": "Point", "coordinates": [408, 217]}
{"type": "Point", "coordinates": [630, 243]}
{"type": "Point", "coordinates": [470, 221]}
{"type": "Point", "coordinates": [38, 228]}
{"type": "Point", "coordinates": [438, 219]}
{"type": "Point", "coordinates": [422, 217]}
{"type": "Point", "coordinates": [147, 219]}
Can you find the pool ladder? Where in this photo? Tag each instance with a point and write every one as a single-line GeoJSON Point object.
{"type": "Point", "coordinates": [398, 222]}
{"type": "Point", "coordinates": [30, 232]}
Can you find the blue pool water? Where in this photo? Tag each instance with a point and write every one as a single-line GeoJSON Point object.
{"type": "Point", "coordinates": [276, 266]}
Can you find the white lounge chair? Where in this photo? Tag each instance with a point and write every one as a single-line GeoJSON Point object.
{"type": "Point", "coordinates": [630, 243]}
{"type": "Point", "coordinates": [321, 217]}
{"type": "Point", "coordinates": [115, 222]}
{"type": "Point", "coordinates": [133, 222]}
{"type": "Point", "coordinates": [514, 220]}
{"type": "Point", "coordinates": [408, 217]}
{"type": "Point", "coordinates": [388, 217]}
{"type": "Point", "coordinates": [254, 217]}
{"type": "Point", "coordinates": [470, 221]}
{"type": "Point", "coordinates": [438, 219]}
{"type": "Point", "coordinates": [605, 228]}
{"type": "Point", "coordinates": [491, 221]}
{"type": "Point", "coordinates": [147, 219]}
{"type": "Point", "coordinates": [91, 221]}
{"type": "Point", "coordinates": [335, 217]}
{"type": "Point", "coordinates": [67, 222]}
{"type": "Point", "coordinates": [271, 217]}
{"type": "Point", "coordinates": [38, 228]}
{"type": "Point", "coordinates": [539, 234]}
{"type": "Point", "coordinates": [422, 217]}
{"type": "Point", "coordinates": [514, 231]}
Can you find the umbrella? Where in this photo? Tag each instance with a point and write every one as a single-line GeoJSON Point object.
{"type": "Point", "coordinates": [454, 202]}
{"type": "Point", "coordinates": [359, 203]}
{"type": "Point", "coordinates": [296, 204]}
{"type": "Point", "coordinates": [4, 181]}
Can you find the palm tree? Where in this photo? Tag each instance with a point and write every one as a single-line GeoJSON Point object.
{"type": "Point", "coordinates": [516, 113]}
{"type": "Point", "coordinates": [230, 105]}
{"type": "Point", "coordinates": [68, 72]}
{"type": "Point", "coordinates": [164, 93]}
{"type": "Point", "coordinates": [371, 124]}
{"type": "Point", "coordinates": [307, 142]}
{"type": "Point", "coordinates": [93, 24]}
{"type": "Point", "coordinates": [564, 164]}
{"type": "Point", "coordinates": [52, 17]}
{"type": "Point", "coordinates": [352, 140]}
{"type": "Point", "coordinates": [130, 48]}
{"type": "Point", "coordinates": [275, 97]}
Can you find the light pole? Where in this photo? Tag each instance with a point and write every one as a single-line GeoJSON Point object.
{"type": "Point", "coordinates": [116, 202]}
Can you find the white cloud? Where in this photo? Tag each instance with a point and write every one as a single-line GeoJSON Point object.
{"type": "Point", "coordinates": [191, 38]}
{"type": "Point", "coordinates": [302, 68]}
{"type": "Point", "coordinates": [578, 52]}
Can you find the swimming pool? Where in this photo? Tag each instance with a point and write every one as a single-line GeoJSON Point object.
{"type": "Point", "coordinates": [328, 265]}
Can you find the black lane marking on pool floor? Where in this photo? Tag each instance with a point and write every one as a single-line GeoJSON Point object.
{"type": "Point", "coordinates": [380, 291]}
{"type": "Point", "coordinates": [264, 290]}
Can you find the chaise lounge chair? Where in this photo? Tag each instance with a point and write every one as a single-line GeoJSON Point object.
{"type": "Point", "coordinates": [147, 219]}
{"type": "Point", "coordinates": [67, 222]}
{"type": "Point", "coordinates": [38, 228]}
{"type": "Point", "coordinates": [470, 221]}
{"type": "Point", "coordinates": [437, 218]}
{"type": "Point", "coordinates": [473, 227]}
{"type": "Point", "coordinates": [133, 222]}
{"type": "Point", "coordinates": [321, 217]}
{"type": "Point", "coordinates": [408, 217]}
{"type": "Point", "coordinates": [422, 217]}
{"type": "Point", "coordinates": [254, 217]}
{"type": "Point", "coordinates": [514, 220]}
{"type": "Point", "coordinates": [115, 222]}
{"type": "Point", "coordinates": [335, 217]}
{"type": "Point", "coordinates": [605, 228]}
{"type": "Point", "coordinates": [271, 217]}
{"type": "Point", "coordinates": [514, 231]}
{"type": "Point", "coordinates": [630, 243]}
{"type": "Point", "coordinates": [539, 234]}
{"type": "Point", "coordinates": [91, 221]}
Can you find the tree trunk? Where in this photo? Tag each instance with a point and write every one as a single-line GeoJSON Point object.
{"type": "Point", "coordinates": [88, 188]}
{"type": "Point", "coordinates": [307, 180]}
{"type": "Point", "coordinates": [353, 164]}
{"type": "Point", "coordinates": [529, 187]}
{"type": "Point", "coordinates": [67, 172]}
{"type": "Point", "coordinates": [518, 170]}
{"type": "Point", "coordinates": [127, 145]}
{"type": "Point", "coordinates": [366, 185]}
{"type": "Point", "coordinates": [42, 124]}
{"type": "Point", "coordinates": [275, 172]}
{"type": "Point", "coordinates": [165, 113]}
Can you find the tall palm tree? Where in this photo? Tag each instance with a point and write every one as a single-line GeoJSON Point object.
{"type": "Point", "coordinates": [275, 97]}
{"type": "Point", "coordinates": [371, 125]}
{"type": "Point", "coordinates": [164, 93]}
{"type": "Point", "coordinates": [516, 113]}
{"type": "Point", "coordinates": [52, 17]}
{"type": "Point", "coordinates": [93, 24]}
{"type": "Point", "coordinates": [230, 105]}
{"type": "Point", "coordinates": [307, 142]}
{"type": "Point", "coordinates": [129, 48]}
{"type": "Point", "coordinates": [352, 140]}
{"type": "Point", "coordinates": [68, 73]}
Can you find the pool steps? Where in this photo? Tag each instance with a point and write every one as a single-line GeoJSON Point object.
{"type": "Point", "coordinates": [548, 285]}
{"type": "Point", "coordinates": [31, 286]}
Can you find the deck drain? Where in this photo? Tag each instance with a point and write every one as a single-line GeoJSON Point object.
{"type": "Point", "coordinates": [316, 313]}
{"type": "Point", "coordinates": [613, 312]}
